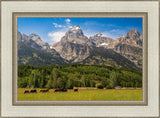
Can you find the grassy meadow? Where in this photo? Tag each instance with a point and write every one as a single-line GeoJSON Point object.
{"type": "Point", "coordinates": [84, 94]}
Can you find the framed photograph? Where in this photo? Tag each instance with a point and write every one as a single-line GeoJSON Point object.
{"type": "Point", "coordinates": [79, 59]}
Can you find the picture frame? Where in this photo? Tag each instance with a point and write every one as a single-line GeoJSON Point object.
{"type": "Point", "coordinates": [81, 103]}
{"type": "Point", "coordinates": [11, 10]}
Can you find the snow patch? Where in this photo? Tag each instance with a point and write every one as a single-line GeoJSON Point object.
{"type": "Point", "coordinates": [74, 31]}
{"type": "Point", "coordinates": [99, 34]}
{"type": "Point", "coordinates": [103, 44]}
{"type": "Point", "coordinates": [102, 35]}
{"type": "Point", "coordinates": [75, 28]}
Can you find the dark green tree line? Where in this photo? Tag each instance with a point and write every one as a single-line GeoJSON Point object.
{"type": "Point", "coordinates": [76, 75]}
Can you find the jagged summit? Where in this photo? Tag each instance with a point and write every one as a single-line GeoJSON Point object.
{"type": "Point", "coordinates": [133, 37]}
{"type": "Point", "coordinates": [100, 40]}
{"type": "Point", "coordinates": [100, 35]}
{"type": "Point", "coordinates": [74, 35]}
{"type": "Point", "coordinates": [133, 34]}
{"type": "Point", "coordinates": [134, 30]}
{"type": "Point", "coordinates": [33, 34]}
{"type": "Point", "coordinates": [74, 28]}
{"type": "Point", "coordinates": [34, 37]}
{"type": "Point", "coordinates": [75, 31]}
{"type": "Point", "coordinates": [33, 40]}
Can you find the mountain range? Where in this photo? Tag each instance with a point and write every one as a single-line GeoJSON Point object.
{"type": "Point", "coordinates": [74, 47]}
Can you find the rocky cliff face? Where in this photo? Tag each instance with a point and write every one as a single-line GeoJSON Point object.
{"type": "Point", "coordinates": [24, 39]}
{"type": "Point", "coordinates": [75, 35]}
{"type": "Point", "coordinates": [132, 38]}
{"type": "Point", "coordinates": [74, 52]}
{"type": "Point", "coordinates": [37, 39]}
{"type": "Point", "coordinates": [130, 46]}
{"type": "Point", "coordinates": [99, 40]}
{"type": "Point", "coordinates": [73, 46]}
{"type": "Point", "coordinates": [134, 54]}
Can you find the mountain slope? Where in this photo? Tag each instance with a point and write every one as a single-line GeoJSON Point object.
{"type": "Point", "coordinates": [33, 51]}
{"type": "Point", "coordinates": [102, 56]}
{"type": "Point", "coordinates": [132, 53]}
{"type": "Point", "coordinates": [73, 52]}
{"type": "Point", "coordinates": [31, 56]}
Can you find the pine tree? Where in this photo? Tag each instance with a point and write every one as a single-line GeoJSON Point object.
{"type": "Point", "coordinates": [55, 74]}
{"type": "Point", "coordinates": [113, 79]}
{"type": "Point", "coordinates": [83, 80]}
{"type": "Point", "coordinates": [50, 82]}
{"type": "Point", "coordinates": [42, 80]}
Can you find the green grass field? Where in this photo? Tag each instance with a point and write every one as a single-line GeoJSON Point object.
{"type": "Point", "coordinates": [84, 94]}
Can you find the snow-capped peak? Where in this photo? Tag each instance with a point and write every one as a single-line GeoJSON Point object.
{"type": "Point", "coordinates": [74, 28]}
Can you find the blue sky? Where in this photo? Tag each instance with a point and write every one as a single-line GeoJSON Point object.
{"type": "Point", "coordinates": [52, 29]}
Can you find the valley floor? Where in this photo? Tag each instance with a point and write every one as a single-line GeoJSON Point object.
{"type": "Point", "coordinates": [84, 94]}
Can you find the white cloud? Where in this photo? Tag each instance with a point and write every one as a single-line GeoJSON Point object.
{"type": "Point", "coordinates": [68, 23]}
{"type": "Point", "coordinates": [57, 26]}
{"type": "Point", "coordinates": [56, 36]}
{"type": "Point", "coordinates": [89, 34]}
{"type": "Point", "coordinates": [110, 35]}
{"type": "Point", "coordinates": [68, 20]}
{"type": "Point", "coordinates": [69, 26]}
{"type": "Point", "coordinates": [115, 33]}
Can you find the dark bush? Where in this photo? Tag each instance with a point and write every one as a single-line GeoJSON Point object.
{"type": "Point", "coordinates": [99, 86]}
{"type": "Point", "coordinates": [109, 87]}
